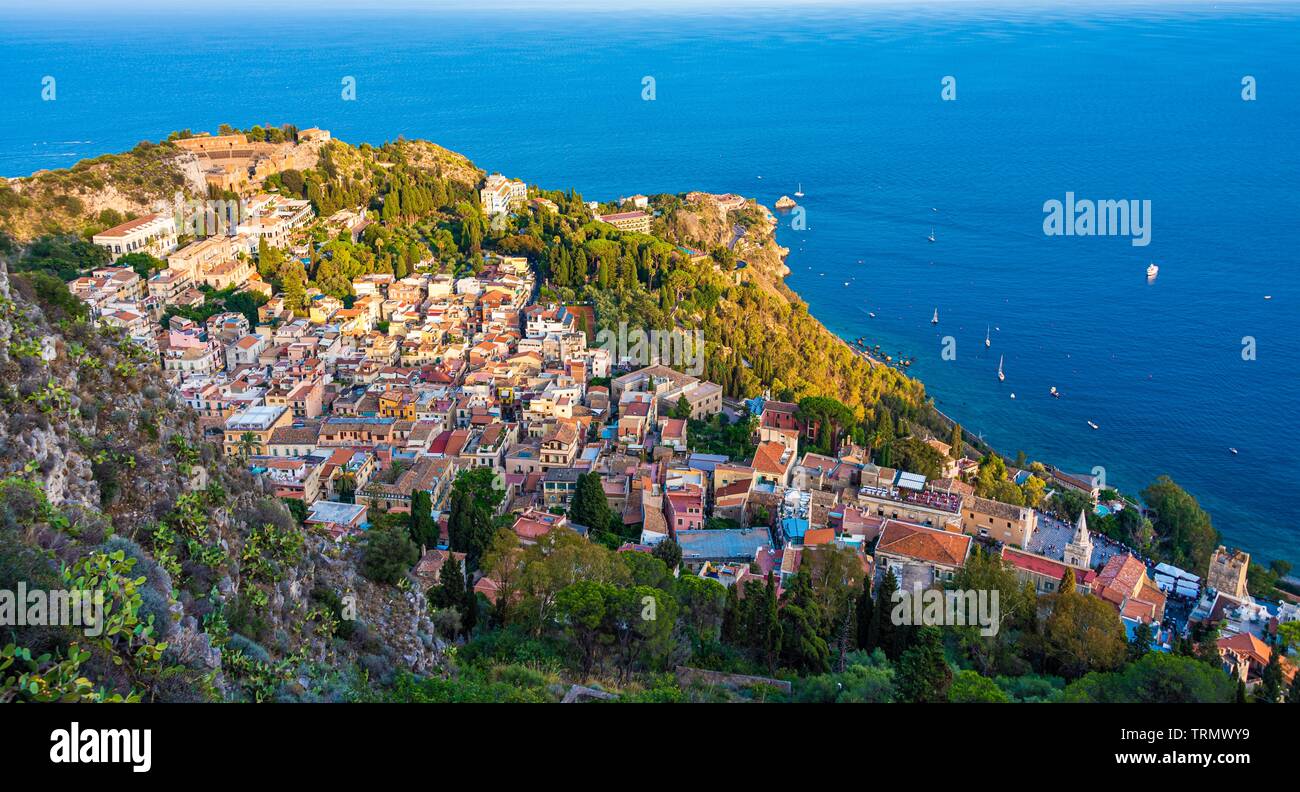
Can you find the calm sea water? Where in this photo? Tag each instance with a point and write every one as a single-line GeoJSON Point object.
{"type": "Point", "coordinates": [1109, 103]}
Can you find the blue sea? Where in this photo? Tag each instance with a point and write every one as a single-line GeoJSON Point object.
{"type": "Point", "coordinates": [1106, 102]}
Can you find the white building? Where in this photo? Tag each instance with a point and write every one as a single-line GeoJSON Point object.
{"type": "Point", "coordinates": [154, 234]}
{"type": "Point", "coordinates": [500, 194]}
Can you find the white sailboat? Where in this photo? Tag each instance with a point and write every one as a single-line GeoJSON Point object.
{"type": "Point", "coordinates": [1152, 271]}
{"type": "Point", "coordinates": [799, 192]}
{"type": "Point", "coordinates": [931, 237]}
{"type": "Point", "coordinates": [987, 342]}
{"type": "Point", "coordinates": [1093, 425]}
{"type": "Point", "coordinates": [1001, 377]}
{"type": "Point", "coordinates": [935, 319]}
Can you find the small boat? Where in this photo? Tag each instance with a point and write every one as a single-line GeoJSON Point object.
{"type": "Point", "coordinates": [987, 342]}
{"type": "Point", "coordinates": [799, 192]}
{"type": "Point", "coordinates": [1093, 425]}
{"type": "Point", "coordinates": [1055, 393]}
{"type": "Point", "coordinates": [872, 314]}
{"type": "Point", "coordinates": [935, 318]}
{"type": "Point", "coordinates": [931, 237]}
{"type": "Point", "coordinates": [1152, 270]}
{"type": "Point", "coordinates": [1013, 395]}
{"type": "Point", "coordinates": [1233, 450]}
{"type": "Point", "coordinates": [1268, 296]}
{"type": "Point", "coordinates": [1001, 377]}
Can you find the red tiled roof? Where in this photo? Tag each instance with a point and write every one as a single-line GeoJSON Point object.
{"type": "Point", "coordinates": [926, 544]}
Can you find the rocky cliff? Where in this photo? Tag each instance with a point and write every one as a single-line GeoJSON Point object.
{"type": "Point", "coordinates": [107, 483]}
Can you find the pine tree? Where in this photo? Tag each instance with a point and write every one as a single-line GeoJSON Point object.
{"type": "Point", "coordinates": [1293, 695]}
{"type": "Point", "coordinates": [923, 674]}
{"type": "Point", "coordinates": [1241, 692]}
{"type": "Point", "coordinates": [958, 446]}
{"type": "Point", "coordinates": [803, 647]}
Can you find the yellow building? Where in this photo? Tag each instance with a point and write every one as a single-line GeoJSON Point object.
{"type": "Point", "coordinates": [248, 433]}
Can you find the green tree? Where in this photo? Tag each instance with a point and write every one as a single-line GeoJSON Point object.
{"type": "Point", "coordinates": [1140, 643]}
{"type": "Point", "coordinates": [469, 527]}
{"type": "Point", "coordinates": [682, 409]}
{"type": "Point", "coordinates": [970, 687]}
{"type": "Point", "coordinates": [1157, 678]}
{"type": "Point", "coordinates": [958, 445]}
{"type": "Point", "coordinates": [733, 617]}
{"type": "Point", "coordinates": [865, 608]}
{"type": "Point", "coordinates": [590, 507]}
{"type": "Point", "coordinates": [668, 551]}
{"type": "Point", "coordinates": [802, 622]}
{"type": "Point", "coordinates": [1271, 681]}
{"type": "Point", "coordinates": [1186, 537]}
{"type": "Point", "coordinates": [248, 445]}
{"type": "Point", "coordinates": [702, 605]}
{"type": "Point", "coordinates": [1084, 633]}
{"type": "Point", "coordinates": [762, 626]}
{"type": "Point", "coordinates": [586, 609]}
{"type": "Point", "coordinates": [388, 553]}
{"type": "Point", "coordinates": [469, 608]}
{"type": "Point", "coordinates": [450, 591]}
{"type": "Point", "coordinates": [884, 634]}
{"type": "Point", "coordinates": [144, 264]}
{"type": "Point", "coordinates": [424, 530]}
{"type": "Point", "coordinates": [923, 673]}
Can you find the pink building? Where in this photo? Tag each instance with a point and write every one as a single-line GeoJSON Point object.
{"type": "Point", "coordinates": [684, 508]}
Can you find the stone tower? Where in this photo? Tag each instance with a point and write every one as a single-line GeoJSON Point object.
{"type": "Point", "coordinates": [1079, 551]}
{"type": "Point", "coordinates": [1228, 572]}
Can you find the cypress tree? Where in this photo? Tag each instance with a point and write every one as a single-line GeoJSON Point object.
{"type": "Point", "coordinates": [732, 616]}
{"type": "Point", "coordinates": [447, 594]}
{"type": "Point", "coordinates": [424, 531]}
{"type": "Point", "coordinates": [469, 607]}
{"type": "Point", "coordinates": [1270, 688]}
{"type": "Point", "coordinates": [865, 612]}
{"type": "Point", "coordinates": [884, 634]}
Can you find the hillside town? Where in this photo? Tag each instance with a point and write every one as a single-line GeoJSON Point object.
{"type": "Point", "coordinates": [354, 407]}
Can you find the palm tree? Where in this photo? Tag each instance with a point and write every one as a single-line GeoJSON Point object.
{"type": "Point", "coordinates": [248, 443]}
{"type": "Point", "coordinates": [346, 486]}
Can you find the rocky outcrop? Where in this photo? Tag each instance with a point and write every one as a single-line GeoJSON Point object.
{"type": "Point", "coordinates": [86, 421]}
